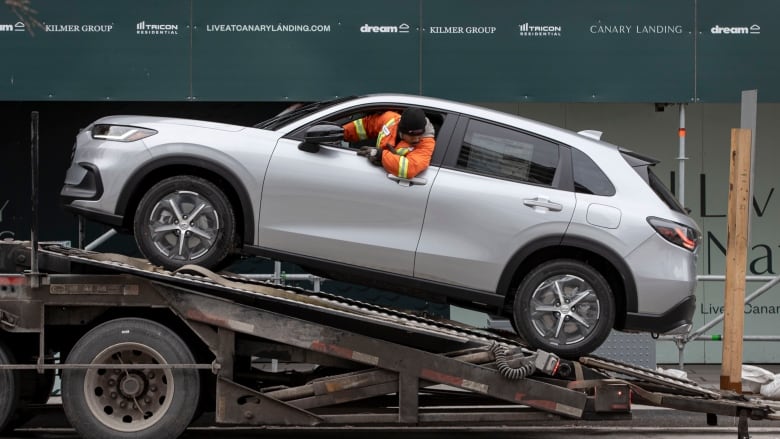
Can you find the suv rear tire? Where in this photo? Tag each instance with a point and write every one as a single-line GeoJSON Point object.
{"type": "Point", "coordinates": [564, 306]}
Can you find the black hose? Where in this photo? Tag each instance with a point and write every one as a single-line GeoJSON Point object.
{"type": "Point", "coordinates": [511, 373]}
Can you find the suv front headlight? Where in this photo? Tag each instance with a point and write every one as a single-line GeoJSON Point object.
{"type": "Point", "coordinates": [120, 133]}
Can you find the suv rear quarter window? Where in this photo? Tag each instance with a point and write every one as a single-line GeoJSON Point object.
{"type": "Point", "coordinates": [588, 177]}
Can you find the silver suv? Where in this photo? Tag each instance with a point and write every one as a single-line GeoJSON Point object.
{"type": "Point", "coordinates": [568, 235]}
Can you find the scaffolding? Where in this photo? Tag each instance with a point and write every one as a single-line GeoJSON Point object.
{"type": "Point", "coordinates": [681, 341]}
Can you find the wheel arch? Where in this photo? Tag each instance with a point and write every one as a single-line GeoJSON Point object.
{"type": "Point", "coordinates": [140, 182]}
{"type": "Point", "coordinates": [606, 261]}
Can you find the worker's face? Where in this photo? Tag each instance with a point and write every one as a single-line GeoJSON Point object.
{"type": "Point", "coordinates": [411, 139]}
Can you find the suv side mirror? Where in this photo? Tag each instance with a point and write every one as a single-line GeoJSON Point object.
{"type": "Point", "coordinates": [325, 132]}
{"type": "Point", "coordinates": [321, 133]}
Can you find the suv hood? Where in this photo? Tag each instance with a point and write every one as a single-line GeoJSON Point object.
{"type": "Point", "coordinates": [152, 121]}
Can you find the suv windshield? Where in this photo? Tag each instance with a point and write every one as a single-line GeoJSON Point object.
{"type": "Point", "coordinates": [642, 165]}
{"type": "Point", "coordinates": [294, 113]}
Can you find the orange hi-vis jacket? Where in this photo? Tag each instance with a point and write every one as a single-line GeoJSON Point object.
{"type": "Point", "coordinates": [401, 159]}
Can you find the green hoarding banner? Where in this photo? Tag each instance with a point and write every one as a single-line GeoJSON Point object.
{"type": "Point", "coordinates": [738, 49]}
{"type": "Point", "coordinates": [304, 49]}
{"type": "Point", "coordinates": [96, 50]}
{"type": "Point", "coordinates": [490, 50]}
{"type": "Point", "coordinates": [605, 51]}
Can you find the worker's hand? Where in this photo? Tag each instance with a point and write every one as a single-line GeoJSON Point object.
{"type": "Point", "coordinates": [375, 157]}
{"type": "Point", "coordinates": [365, 151]}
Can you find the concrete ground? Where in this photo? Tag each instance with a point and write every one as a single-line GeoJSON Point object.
{"type": "Point", "coordinates": [708, 375]}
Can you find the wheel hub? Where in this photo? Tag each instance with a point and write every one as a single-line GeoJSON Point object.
{"type": "Point", "coordinates": [128, 398]}
{"type": "Point", "coordinates": [184, 225]}
{"type": "Point", "coordinates": [132, 385]}
{"type": "Point", "coordinates": [565, 309]}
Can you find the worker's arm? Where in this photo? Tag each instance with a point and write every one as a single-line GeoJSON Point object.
{"type": "Point", "coordinates": [409, 161]}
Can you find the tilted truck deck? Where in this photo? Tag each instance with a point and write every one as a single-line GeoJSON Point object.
{"type": "Point", "coordinates": [142, 351]}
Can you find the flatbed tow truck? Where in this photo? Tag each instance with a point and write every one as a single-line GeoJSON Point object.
{"type": "Point", "coordinates": [142, 350]}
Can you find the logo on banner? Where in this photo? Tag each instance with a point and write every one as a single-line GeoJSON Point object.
{"type": "Point", "coordinates": [472, 30]}
{"type": "Point", "coordinates": [403, 28]}
{"type": "Point", "coordinates": [86, 28]}
{"type": "Point", "coordinates": [276, 27]}
{"type": "Point", "coordinates": [735, 30]}
{"type": "Point", "coordinates": [144, 28]}
{"type": "Point", "coordinates": [539, 30]}
{"type": "Point", "coordinates": [644, 29]}
{"type": "Point", "coordinates": [18, 27]}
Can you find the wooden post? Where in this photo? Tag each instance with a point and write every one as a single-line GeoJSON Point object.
{"type": "Point", "coordinates": [736, 260]}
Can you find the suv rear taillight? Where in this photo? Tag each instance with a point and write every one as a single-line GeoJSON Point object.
{"type": "Point", "coordinates": [676, 233]}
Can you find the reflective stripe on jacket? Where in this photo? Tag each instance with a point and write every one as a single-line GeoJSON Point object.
{"type": "Point", "coordinates": [383, 127]}
{"type": "Point", "coordinates": [402, 159]}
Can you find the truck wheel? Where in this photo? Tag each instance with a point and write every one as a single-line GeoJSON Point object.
{"type": "Point", "coordinates": [9, 389]}
{"type": "Point", "coordinates": [126, 401]}
{"type": "Point", "coordinates": [564, 306]}
{"type": "Point", "coordinates": [185, 220]}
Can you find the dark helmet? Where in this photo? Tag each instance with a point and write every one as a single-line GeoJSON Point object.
{"type": "Point", "coordinates": [412, 122]}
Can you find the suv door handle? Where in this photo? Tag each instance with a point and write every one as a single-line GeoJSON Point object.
{"type": "Point", "coordinates": [407, 181]}
{"type": "Point", "coordinates": [543, 202]}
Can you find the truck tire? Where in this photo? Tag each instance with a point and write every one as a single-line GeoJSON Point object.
{"type": "Point", "coordinates": [126, 402]}
{"type": "Point", "coordinates": [9, 389]}
{"type": "Point", "coordinates": [185, 220]}
{"type": "Point", "coordinates": [564, 306]}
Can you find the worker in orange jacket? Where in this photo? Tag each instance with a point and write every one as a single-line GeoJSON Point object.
{"type": "Point", "coordinates": [404, 142]}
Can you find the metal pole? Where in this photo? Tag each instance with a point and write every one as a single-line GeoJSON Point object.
{"type": "Point", "coordinates": [681, 158]}
{"type": "Point", "coordinates": [748, 115]}
{"type": "Point", "coordinates": [34, 281]}
{"type": "Point", "coordinates": [100, 239]}
{"type": "Point", "coordinates": [82, 232]}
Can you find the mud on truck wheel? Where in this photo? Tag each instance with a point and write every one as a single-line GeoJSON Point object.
{"type": "Point", "coordinates": [125, 401]}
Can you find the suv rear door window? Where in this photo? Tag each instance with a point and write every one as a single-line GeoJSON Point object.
{"type": "Point", "coordinates": [501, 152]}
